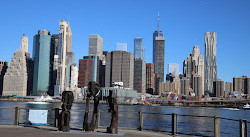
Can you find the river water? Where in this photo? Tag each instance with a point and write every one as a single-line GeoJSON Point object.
{"type": "Point", "coordinates": [128, 117]}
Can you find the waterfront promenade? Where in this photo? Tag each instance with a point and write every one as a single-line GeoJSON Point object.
{"type": "Point", "coordinates": [45, 131]}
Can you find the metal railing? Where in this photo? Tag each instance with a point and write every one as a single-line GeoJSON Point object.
{"type": "Point", "coordinates": [243, 124]}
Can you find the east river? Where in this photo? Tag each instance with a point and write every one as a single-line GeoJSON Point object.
{"type": "Point", "coordinates": [128, 117]}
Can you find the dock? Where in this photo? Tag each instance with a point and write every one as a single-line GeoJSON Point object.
{"type": "Point", "coordinates": [46, 131]}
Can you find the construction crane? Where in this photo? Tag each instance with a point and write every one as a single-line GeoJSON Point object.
{"type": "Point", "coordinates": [143, 98]}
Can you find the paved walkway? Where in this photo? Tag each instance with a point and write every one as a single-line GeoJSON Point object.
{"type": "Point", "coordinates": [43, 131]}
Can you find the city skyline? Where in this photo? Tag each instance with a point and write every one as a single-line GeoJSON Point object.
{"type": "Point", "coordinates": [228, 30]}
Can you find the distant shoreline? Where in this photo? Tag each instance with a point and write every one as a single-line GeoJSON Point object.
{"type": "Point", "coordinates": [237, 104]}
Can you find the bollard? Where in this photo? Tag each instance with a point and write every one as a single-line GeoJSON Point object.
{"type": "Point", "coordinates": [140, 120]}
{"type": "Point", "coordinates": [98, 119]}
{"type": "Point", "coordinates": [174, 124]}
{"type": "Point", "coordinates": [243, 128]}
{"type": "Point", "coordinates": [16, 122]}
{"type": "Point", "coordinates": [56, 117]}
{"type": "Point", "coordinates": [217, 126]}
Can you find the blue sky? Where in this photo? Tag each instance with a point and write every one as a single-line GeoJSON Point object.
{"type": "Point", "coordinates": [184, 23]}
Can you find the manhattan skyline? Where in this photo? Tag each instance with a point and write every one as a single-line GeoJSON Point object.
{"type": "Point", "coordinates": [183, 23]}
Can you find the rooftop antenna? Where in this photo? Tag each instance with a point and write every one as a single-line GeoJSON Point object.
{"type": "Point", "coordinates": [158, 21]}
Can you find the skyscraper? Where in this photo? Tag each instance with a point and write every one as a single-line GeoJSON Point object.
{"type": "Point", "coordinates": [122, 46]}
{"type": "Point", "coordinates": [158, 53]}
{"type": "Point", "coordinates": [218, 87]}
{"type": "Point", "coordinates": [86, 71]}
{"type": "Point", "coordinates": [194, 66]}
{"type": "Point", "coordinates": [65, 41]}
{"type": "Point", "coordinates": [210, 61]}
{"type": "Point", "coordinates": [138, 48]}
{"type": "Point", "coordinates": [24, 43]}
{"type": "Point", "coordinates": [95, 45]}
{"type": "Point", "coordinates": [241, 84]}
{"type": "Point", "coordinates": [70, 59]}
{"type": "Point", "coordinates": [150, 78]}
{"type": "Point", "coordinates": [139, 73]}
{"type": "Point", "coordinates": [198, 85]}
{"type": "Point", "coordinates": [120, 68]}
{"type": "Point", "coordinates": [228, 87]}
{"type": "Point", "coordinates": [42, 63]}
{"type": "Point", "coordinates": [184, 86]}
{"type": "Point", "coordinates": [16, 77]}
{"type": "Point", "coordinates": [173, 68]}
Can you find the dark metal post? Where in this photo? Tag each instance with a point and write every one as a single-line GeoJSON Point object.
{"type": "Point", "coordinates": [174, 123]}
{"type": "Point", "coordinates": [217, 126]}
{"type": "Point", "coordinates": [243, 128]}
{"type": "Point", "coordinates": [140, 120]}
{"type": "Point", "coordinates": [56, 117]}
{"type": "Point", "coordinates": [16, 122]}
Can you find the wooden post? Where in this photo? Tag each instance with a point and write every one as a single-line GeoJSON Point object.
{"type": "Point", "coordinates": [217, 126]}
{"type": "Point", "coordinates": [98, 119]}
{"type": "Point", "coordinates": [174, 124]}
{"type": "Point", "coordinates": [16, 122]}
{"type": "Point", "coordinates": [56, 117]}
{"type": "Point", "coordinates": [243, 128]}
{"type": "Point", "coordinates": [140, 120]}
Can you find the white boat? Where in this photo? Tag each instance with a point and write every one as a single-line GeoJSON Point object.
{"type": "Point", "coordinates": [246, 107]}
{"type": "Point", "coordinates": [43, 98]}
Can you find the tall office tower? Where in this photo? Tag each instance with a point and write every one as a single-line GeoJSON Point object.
{"type": "Point", "coordinates": [173, 68]}
{"type": "Point", "coordinates": [140, 75]}
{"type": "Point", "coordinates": [120, 68]}
{"type": "Point", "coordinates": [185, 86]}
{"type": "Point", "coordinates": [73, 76]}
{"type": "Point", "coordinates": [16, 77]}
{"type": "Point", "coordinates": [210, 61]}
{"type": "Point", "coordinates": [30, 72]}
{"type": "Point", "coordinates": [24, 43]}
{"type": "Point", "coordinates": [65, 40]}
{"type": "Point", "coordinates": [95, 45]}
{"type": "Point", "coordinates": [150, 78]}
{"type": "Point", "coordinates": [192, 66]}
{"type": "Point", "coordinates": [86, 71]}
{"type": "Point", "coordinates": [102, 65]}
{"type": "Point", "coordinates": [56, 59]}
{"type": "Point", "coordinates": [218, 87]}
{"type": "Point", "coordinates": [70, 59]}
{"type": "Point", "coordinates": [122, 46]}
{"type": "Point", "coordinates": [158, 53]}
{"type": "Point", "coordinates": [42, 63]}
{"type": "Point", "coordinates": [138, 48]}
{"type": "Point", "coordinates": [198, 85]}
{"type": "Point", "coordinates": [228, 88]}
{"type": "Point", "coordinates": [241, 84]}
{"type": "Point", "coordinates": [3, 68]}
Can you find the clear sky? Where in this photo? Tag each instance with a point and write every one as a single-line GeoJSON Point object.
{"type": "Point", "coordinates": [184, 23]}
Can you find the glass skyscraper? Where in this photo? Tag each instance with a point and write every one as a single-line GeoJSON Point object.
{"type": "Point", "coordinates": [158, 53]}
{"type": "Point", "coordinates": [138, 48]}
{"type": "Point", "coordinates": [41, 57]}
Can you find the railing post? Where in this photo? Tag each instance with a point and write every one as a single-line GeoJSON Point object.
{"type": "Point", "coordinates": [243, 128]}
{"type": "Point", "coordinates": [56, 117]}
{"type": "Point", "coordinates": [16, 122]}
{"type": "Point", "coordinates": [217, 126]}
{"type": "Point", "coordinates": [98, 119]}
{"type": "Point", "coordinates": [174, 123]}
{"type": "Point", "coordinates": [140, 120]}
